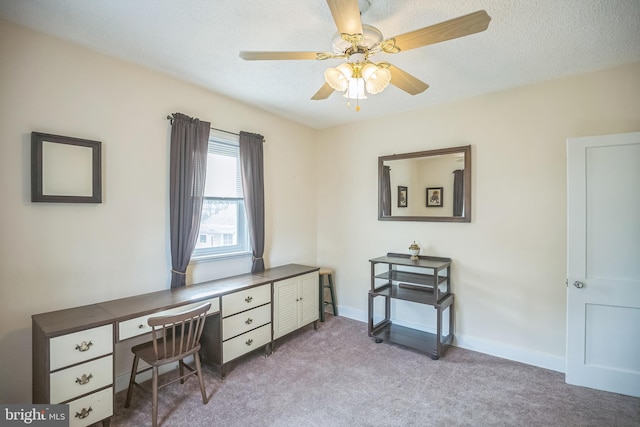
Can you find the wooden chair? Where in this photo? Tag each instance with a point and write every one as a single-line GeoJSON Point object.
{"type": "Point", "coordinates": [174, 337]}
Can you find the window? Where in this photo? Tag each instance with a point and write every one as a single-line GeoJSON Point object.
{"type": "Point", "coordinates": [223, 224]}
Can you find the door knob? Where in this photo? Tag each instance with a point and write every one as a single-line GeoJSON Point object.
{"type": "Point", "coordinates": [578, 285]}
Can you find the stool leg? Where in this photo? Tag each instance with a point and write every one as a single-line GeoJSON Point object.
{"type": "Point", "coordinates": [321, 299]}
{"type": "Point", "coordinates": [333, 296]}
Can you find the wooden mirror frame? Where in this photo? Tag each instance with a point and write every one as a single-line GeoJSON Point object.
{"type": "Point", "coordinates": [466, 217]}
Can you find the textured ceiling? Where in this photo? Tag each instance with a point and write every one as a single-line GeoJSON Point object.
{"type": "Point", "coordinates": [199, 41]}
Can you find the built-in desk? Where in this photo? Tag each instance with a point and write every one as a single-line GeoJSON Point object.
{"type": "Point", "coordinates": [73, 349]}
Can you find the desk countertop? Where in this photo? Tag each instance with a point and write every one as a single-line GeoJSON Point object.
{"type": "Point", "coordinates": [78, 318]}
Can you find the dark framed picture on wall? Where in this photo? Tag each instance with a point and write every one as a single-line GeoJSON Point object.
{"type": "Point", "coordinates": [65, 169]}
{"type": "Point", "coordinates": [434, 197]}
{"type": "Point", "coordinates": [403, 197]}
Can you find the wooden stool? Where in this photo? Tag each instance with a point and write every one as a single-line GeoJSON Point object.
{"type": "Point", "coordinates": [327, 284]}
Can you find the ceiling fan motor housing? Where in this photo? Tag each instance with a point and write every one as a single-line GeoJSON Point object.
{"type": "Point", "coordinates": [371, 36]}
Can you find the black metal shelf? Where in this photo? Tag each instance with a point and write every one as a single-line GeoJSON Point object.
{"type": "Point", "coordinates": [422, 341]}
{"type": "Point", "coordinates": [427, 281]}
{"type": "Point", "coordinates": [407, 292]}
{"type": "Point", "coordinates": [411, 277]}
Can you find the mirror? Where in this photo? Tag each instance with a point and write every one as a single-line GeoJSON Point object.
{"type": "Point", "coordinates": [432, 185]}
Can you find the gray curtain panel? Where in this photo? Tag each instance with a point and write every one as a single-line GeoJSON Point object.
{"type": "Point", "coordinates": [251, 165]}
{"type": "Point", "coordinates": [458, 192]}
{"type": "Point", "coordinates": [385, 187]}
{"type": "Point", "coordinates": [188, 169]}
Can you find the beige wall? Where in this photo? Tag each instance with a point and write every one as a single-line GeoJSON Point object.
{"type": "Point", "coordinates": [509, 262]}
{"type": "Point", "coordinates": [54, 256]}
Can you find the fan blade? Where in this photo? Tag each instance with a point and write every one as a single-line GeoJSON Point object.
{"type": "Point", "coordinates": [346, 14]}
{"type": "Point", "coordinates": [270, 56]}
{"type": "Point", "coordinates": [323, 93]}
{"type": "Point", "coordinates": [405, 81]}
{"type": "Point", "coordinates": [447, 30]}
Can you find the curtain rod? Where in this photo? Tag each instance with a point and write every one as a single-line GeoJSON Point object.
{"type": "Point", "coordinates": [220, 130]}
{"type": "Point", "coordinates": [225, 131]}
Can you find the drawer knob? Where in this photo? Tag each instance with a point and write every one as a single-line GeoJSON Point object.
{"type": "Point", "coordinates": [249, 321]}
{"type": "Point", "coordinates": [84, 379]}
{"type": "Point", "coordinates": [140, 326]}
{"type": "Point", "coordinates": [84, 413]}
{"type": "Point", "coordinates": [248, 299]}
{"type": "Point", "coordinates": [84, 346]}
{"type": "Point", "coordinates": [249, 341]}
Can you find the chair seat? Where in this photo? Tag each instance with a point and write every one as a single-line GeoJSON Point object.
{"type": "Point", "coordinates": [146, 352]}
{"type": "Point", "coordinates": [324, 271]}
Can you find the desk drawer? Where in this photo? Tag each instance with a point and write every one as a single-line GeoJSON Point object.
{"type": "Point", "coordinates": [91, 409]}
{"type": "Point", "coordinates": [245, 343]}
{"type": "Point", "coordinates": [245, 300]}
{"type": "Point", "coordinates": [80, 346]}
{"type": "Point", "coordinates": [81, 379]}
{"type": "Point", "coordinates": [247, 320]}
{"type": "Point", "coordinates": [138, 326]}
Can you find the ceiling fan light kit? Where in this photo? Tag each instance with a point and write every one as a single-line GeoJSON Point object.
{"type": "Point", "coordinates": [376, 78]}
{"type": "Point", "coordinates": [366, 75]}
{"type": "Point", "coordinates": [338, 77]}
{"type": "Point", "coordinates": [357, 42]}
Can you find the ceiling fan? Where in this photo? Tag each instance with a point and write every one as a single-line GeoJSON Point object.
{"type": "Point", "coordinates": [357, 43]}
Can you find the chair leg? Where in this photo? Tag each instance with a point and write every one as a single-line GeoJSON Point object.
{"type": "Point", "coordinates": [181, 370]}
{"type": "Point", "coordinates": [132, 380]}
{"type": "Point", "coordinates": [196, 357]}
{"type": "Point", "coordinates": [154, 402]}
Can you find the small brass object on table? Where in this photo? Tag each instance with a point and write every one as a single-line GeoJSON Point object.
{"type": "Point", "coordinates": [414, 250]}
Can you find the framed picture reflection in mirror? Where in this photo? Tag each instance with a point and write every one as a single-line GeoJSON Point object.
{"type": "Point", "coordinates": [403, 197]}
{"type": "Point", "coordinates": [434, 197]}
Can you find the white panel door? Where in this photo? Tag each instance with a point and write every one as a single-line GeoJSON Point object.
{"type": "Point", "coordinates": [603, 262]}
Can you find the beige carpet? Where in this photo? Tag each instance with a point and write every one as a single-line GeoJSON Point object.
{"type": "Point", "coordinates": [338, 376]}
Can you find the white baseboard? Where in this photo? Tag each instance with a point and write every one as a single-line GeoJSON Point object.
{"type": "Point", "coordinates": [505, 351]}
{"type": "Point", "coordinates": [518, 354]}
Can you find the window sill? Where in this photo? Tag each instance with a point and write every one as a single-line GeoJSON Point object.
{"type": "Point", "coordinates": [219, 257]}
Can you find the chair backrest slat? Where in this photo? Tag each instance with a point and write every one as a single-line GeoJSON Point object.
{"type": "Point", "coordinates": [178, 334]}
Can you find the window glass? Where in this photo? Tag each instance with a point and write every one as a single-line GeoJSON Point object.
{"type": "Point", "coordinates": [223, 223]}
